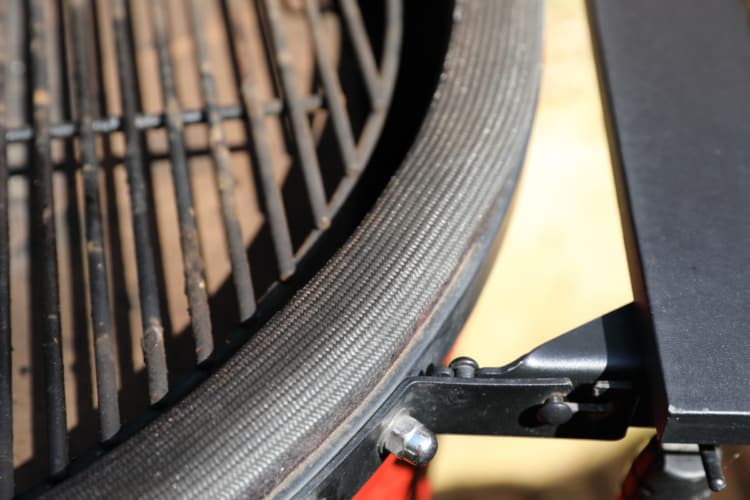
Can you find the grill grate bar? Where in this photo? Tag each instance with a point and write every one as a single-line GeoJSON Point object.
{"type": "Point", "coordinates": [277, 221]}
{"type": "Point", "coordinates": [195, 282]}
{"type": "Point", "coordinates": [355, 26]}
{"type": "Point", "coordinates": [77, 23]}
{"type": "Point", "coordinates": [46, 245]}
{"type": "Point", "coordinates": [148, 121]}
{"type": "Point", "coordinates": [389, 68]}
{"type": "Point", "coordinates": [152, 341]}
{"type": "Point", "coordinates": [334, 95]}
{"type": "Point", "coordinates": [6, 396]}
{"type": "Point", "coordinates": [303, 139]}
{"type": "Point", "coordinates": [226, 182]}
{"type": "Point", "coordinates": [95, 203]}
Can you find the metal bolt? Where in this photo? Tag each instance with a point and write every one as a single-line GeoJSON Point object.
{"type": "Point", "coordinates": [554, 411]}
{"type": "Point", "coordinates": [711, 458]}
{"type": "Point", "coordinates": [464, 367]}
{"type": "Point", "coordinates": [408, 439]}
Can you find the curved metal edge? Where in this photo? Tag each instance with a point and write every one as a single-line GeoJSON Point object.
{"type": "Point", "coordinates": [429, 348]}
{"type": "Point", "coordinates": [303, 386]}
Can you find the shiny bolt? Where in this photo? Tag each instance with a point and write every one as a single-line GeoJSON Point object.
{"type": "Point", "coordinates": [554, 411]}
{"type": "Point", "coordinates": [408, 439]}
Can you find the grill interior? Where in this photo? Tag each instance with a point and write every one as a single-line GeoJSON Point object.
{"type": "Point", "coordinates": [155, 151]}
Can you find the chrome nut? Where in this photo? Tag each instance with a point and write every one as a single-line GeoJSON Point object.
{"type": "Point", "coordinates": [408, 439]}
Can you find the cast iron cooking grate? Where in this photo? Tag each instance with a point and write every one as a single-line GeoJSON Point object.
{"type": "Point", "coordinates": [133, 135]}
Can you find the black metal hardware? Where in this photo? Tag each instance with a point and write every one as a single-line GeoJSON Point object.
{"type": "Point", "coordinates": [555, 411]}
{"type": "Point", "coordinates": [711, 461]}
{"type": "Point", "coordinates": [670, 470]}
{"type": "Point", "coordinates": [589, 383]}
{"type": "Point", "coordinates": [585, 384]}
{"type": "Point", "coordinates": [667, 471]}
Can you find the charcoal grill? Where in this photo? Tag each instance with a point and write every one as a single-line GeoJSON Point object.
{"type": "Point", "coordinates": [74, 74]}
{"type": "Point", "coordinates": [313, 390]}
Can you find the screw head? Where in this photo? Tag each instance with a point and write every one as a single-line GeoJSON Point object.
{"type": "Point", "coordinates": [554, 411]}
{"type": "Point", "coordinates": [464, 367]}
{"type": "Point", "coordinates": [408, 439]}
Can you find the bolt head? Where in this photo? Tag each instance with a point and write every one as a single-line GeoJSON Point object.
{"type": "Point", "coordinates": [554, 411]}
{"type": "Point", "coordinates": [464, 367]}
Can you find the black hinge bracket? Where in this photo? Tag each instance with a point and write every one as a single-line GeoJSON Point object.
{"type": "Point", "coordinates": [590, 383]}
{"type": "Point", "coordinates": [587, 383]}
